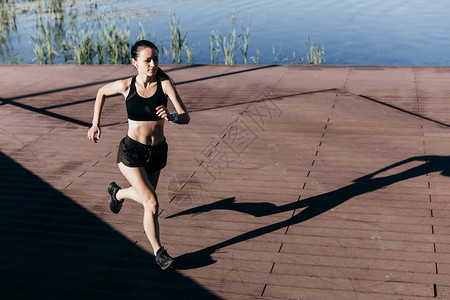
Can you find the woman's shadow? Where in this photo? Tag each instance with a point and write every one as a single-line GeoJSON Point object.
{"type": "Point", "coordinates": [313, 206]}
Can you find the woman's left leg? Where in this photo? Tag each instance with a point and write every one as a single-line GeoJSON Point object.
{"type": "Point", "coordinates": [153, 178]}
{"type": "Point", "coordinates": [130, 193]}
{"type": "Point", "coordinates": [143, 192]}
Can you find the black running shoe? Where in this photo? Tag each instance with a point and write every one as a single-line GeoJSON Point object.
{"type": "Point", "coordinates": [163, 259]}
{"type": "Point", "coordinates": [114, 204]}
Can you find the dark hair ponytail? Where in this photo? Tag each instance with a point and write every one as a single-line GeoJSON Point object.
{"type": "Point", "coordinates": [160, 73]}
{"type": "Point", "coordinates": [147, 44]}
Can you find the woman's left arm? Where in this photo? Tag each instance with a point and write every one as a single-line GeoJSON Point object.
{"type": "Point", "coordinates": [182, 115]}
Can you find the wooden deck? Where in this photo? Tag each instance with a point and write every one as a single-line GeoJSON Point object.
{"type": "Point", "coordinates": [290, 182]}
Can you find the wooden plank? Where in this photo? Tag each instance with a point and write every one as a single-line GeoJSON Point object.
{"type": "Point", "coordinates": [341, 239]}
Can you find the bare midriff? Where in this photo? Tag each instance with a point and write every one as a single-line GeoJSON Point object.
{"type": "Point", "coordinates": [146, 132]}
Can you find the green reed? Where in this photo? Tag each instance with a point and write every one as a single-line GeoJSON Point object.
{"type": "Point", "coordinates": [179, 40]}
{"type": "Point", "coordinates": [245, 35]}
{"type": "Point", "coordinates": [117, 43]}
{"type": "Point", "coordinates": [228, 44]}
{"type": "Point", "coordinates": [67, 51]}
{"type": "Point", "coordinates": [314, 55]}
{"type": "Point", "coordinates": [7, 28]}
{"type": "Point", "coordinates": [99, 49]}
{"type": "Point", "coordinates": [44, 48]}
{"type": "Point", "coordinates": [256, 59]}
{"type": "Point", "coordinates": [7, 18]}
{"type": "Point", "coordinates": [83, 46]}
{"type": "Point", "coordinates": [214, 47]}
{"type": "Point", "coordinates": [141, 35]}
{"type": "Point", "coordinates": [189, 54]}
{"type": "Point", "coordinates": [56, 7]}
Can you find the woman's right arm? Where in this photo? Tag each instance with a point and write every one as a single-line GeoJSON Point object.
{"type": "Point", "coordinates": [116, 87]}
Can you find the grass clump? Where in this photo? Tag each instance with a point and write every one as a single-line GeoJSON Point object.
{"type": "Point", "coordinates": [314, 55]}
{"type": "Point", "coordinates": [245, 35]}
{"type": "Point", "coordinates": [97, 44]}
{"type": "Point", "coordinates": [7, 27]}
{"type": "Point", "coordinates": [56, 7]}
{"type": "Point", "coordinates": [257, 59]}
{"type": "Point", "coordinates": [117, 44]}
{"type": "Point", "coordinates": [215, 47]}
{"type": "Point", "coordinates": [227, 45]}
{"type": "Point", "coordinates": [44, 47]}
{"type": "Point", "coordinates": [7, 18]}
{"type": "Point", "coordinates": [83, 46]}
{"type": "Point", "coordinates": [178, 39]}
{"type": "Point", "coordinates": [179, 42]}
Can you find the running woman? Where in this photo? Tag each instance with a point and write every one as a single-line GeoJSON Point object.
{"type": "Point", "coordinates": [143, 152]}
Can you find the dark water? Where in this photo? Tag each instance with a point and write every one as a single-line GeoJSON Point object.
{"type": "Point", "coordinates": [351, 32]}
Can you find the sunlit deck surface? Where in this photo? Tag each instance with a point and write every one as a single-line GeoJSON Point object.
{"type": "Point", "coordinates": [290, 182]}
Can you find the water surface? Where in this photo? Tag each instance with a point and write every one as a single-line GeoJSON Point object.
{"type": "Point", "coordinates": [351, 32]}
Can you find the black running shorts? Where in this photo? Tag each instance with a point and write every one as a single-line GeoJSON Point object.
{"type": "Point", "coordinates": [134, 154]}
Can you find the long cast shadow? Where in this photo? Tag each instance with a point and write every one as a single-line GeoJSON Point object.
{"type": "Point", "coordinates": [45, 110]}
{"type": "Point", "coordinates": [312, 206]}
{"type": "Point", "coordinates": [227, 74]}
{"type": "Point", "coordinates": [87, 85]}
{"type": "Point", "coordinates": [53, 248]}
{"type": "Point", "coordinates": [403, 110]}
{"type": "Point", "coordinates": [46, 113]}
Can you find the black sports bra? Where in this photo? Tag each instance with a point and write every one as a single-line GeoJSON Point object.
{"type": "Point", "coordinates": [144, 109]}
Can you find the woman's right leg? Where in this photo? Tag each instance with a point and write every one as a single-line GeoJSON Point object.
{"type": "Point", "coordinates": [142, 191]}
